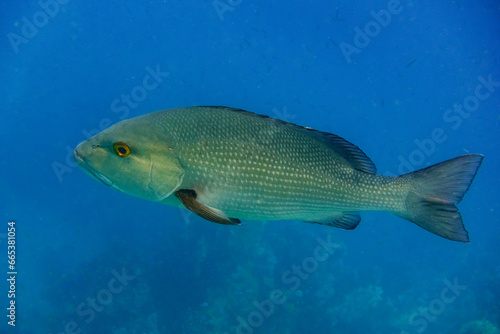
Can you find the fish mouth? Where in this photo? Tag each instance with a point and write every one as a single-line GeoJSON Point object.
{"type": "Point", "coordinates": [80, 160]}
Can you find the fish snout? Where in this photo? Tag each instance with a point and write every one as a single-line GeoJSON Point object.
{"type": "Point", "coordinates": [82, 155]}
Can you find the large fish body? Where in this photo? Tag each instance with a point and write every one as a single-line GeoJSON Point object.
{"type": "Point", "coordinates": [226, 164]}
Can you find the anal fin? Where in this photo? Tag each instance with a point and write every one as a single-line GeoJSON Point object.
{"type": "Point", "coordinates": [343, 220]}
{"type": "Point", "coordinates": [188, 199]}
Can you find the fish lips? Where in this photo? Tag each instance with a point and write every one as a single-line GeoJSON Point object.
{"type": "Point", "coordinates": [80, 160]}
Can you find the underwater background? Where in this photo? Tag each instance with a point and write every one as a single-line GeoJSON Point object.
{"type": "Point", "coordinates": [411, 83]}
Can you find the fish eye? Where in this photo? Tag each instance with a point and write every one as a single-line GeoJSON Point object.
{"type": "Point", "coordinates": [121, 149]}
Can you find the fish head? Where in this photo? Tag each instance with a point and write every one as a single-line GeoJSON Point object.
{"type": "Point", "coordinates": [132, 156]}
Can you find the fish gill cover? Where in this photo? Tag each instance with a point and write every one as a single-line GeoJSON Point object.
{"type": "Point", "coordinates": [411, 84]}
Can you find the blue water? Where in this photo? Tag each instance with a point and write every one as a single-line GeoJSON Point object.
{"type": "Point", "coordinates": [92, 260]}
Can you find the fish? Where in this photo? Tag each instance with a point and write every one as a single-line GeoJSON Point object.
{"type": "Point", "coordinates": [227, 165]}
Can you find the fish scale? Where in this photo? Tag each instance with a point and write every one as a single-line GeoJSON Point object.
{"type": "Point", "coordinates": [230, 160]}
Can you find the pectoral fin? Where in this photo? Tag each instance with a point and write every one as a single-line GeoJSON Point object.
{"type": "Point", "coordinates": [188, 199]}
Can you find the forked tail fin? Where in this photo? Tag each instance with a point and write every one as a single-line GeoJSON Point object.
{"type": "Point", "coordinates": [435, 191]}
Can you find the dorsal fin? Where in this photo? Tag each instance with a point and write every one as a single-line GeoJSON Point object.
{"type": "Point", "coordinates": [350, 152]}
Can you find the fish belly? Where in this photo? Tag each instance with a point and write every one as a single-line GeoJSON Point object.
{"type": "Point", "coordinates": [264, 193]}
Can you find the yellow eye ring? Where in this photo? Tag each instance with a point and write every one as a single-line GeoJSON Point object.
{"type": "Point", "coordinates": [121, 149]}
